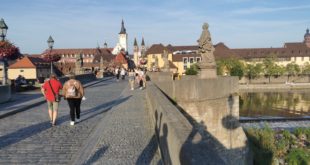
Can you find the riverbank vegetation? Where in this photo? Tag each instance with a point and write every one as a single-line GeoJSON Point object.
{"type": "Point", "coordinates": [268, 67]}
{"type": "Point", "coordinates": [279, 147]}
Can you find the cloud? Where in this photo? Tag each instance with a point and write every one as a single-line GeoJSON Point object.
{"type": "Point", "coordinates": [255, 10]}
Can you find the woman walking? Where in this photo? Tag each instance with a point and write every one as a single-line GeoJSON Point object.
{"type": "Point", "coordinates": [50, 90]}
{"type": "Point", "coordinates": [73, 91]}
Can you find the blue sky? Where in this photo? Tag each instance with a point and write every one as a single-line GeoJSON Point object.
{"type": "Point", "coordinates": [86, 23]}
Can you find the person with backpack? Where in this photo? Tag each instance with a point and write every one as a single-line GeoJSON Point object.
{"type": "Point", "coordinates": [131, 78]}
{"type": "Point", "coordinates": [50, 89]}
{"type": "Point", "coordinates": [73, 92]}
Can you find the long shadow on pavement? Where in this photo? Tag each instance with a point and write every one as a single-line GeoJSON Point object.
{"type": "Point", "coordinates": [99, 153]}
{"type": "Point", "coordinates": [26, 132]}
{"type": "Point", "coordinates": [21, 98]}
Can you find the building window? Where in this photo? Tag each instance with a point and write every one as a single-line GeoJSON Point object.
{"type": "Point", "coordinates": [302, 58]}
{"type": "Point", "coordinates": [198, 59]}
{"type": "Point", "coordinates": [185, 59]}
{"type": "Point", "coordinates": [295, 58]}
{"type": "Point", "coordinates": [191, 60]}
{"type": "Point", "coordinates": [21, 70]}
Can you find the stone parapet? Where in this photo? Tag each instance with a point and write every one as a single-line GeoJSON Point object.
{"type": "Point", "coordinates": [191, 88]}
{"type": "Point", "coordinates": [84, 78]}
{"type": "Point", "coordinates": [180, 142]}
{"type": "Point", "coordinates": [213, 106]}
{"type": "Point", "coordinates": [5, 93]}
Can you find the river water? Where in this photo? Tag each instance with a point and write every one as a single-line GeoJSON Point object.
{"type": "Point", "coordinates": [275, 104]}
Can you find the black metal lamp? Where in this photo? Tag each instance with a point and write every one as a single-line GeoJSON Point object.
{"type": "Point", "coordinates": [3, 29]}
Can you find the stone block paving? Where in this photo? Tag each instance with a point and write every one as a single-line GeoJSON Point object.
{"type": "Point", "coordinates": [28, 138]}
{"type": "Point", "coordinates": [129, 136]}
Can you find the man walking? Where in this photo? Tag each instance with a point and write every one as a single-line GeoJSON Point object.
{"type": "Point", "coordinates": [73, 91]}
{"type": "Point", "coordinates": [50, 90]}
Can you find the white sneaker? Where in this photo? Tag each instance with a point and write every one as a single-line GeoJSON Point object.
{"type": "Point", "coordinates": [77, 120]}
{"type": "Point", "coordinates": [71, 122]}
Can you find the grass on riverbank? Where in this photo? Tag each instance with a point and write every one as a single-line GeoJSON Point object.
{"type": "Point", "coordinates": [273, 147]}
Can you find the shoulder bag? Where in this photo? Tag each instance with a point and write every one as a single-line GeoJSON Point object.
{"type": "Point", "coordinates": [57, 96]}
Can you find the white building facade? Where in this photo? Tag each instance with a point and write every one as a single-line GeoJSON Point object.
{"type": "Point", "coordinates": [122, 41]}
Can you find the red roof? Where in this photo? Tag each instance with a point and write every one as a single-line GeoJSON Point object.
{"type": "Point", "coordinates": [29, 62]}
{"type": "Point", "coordinates": [120, 58]}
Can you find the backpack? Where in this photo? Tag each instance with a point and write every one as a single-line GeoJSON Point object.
{"type": "Point", "coordinates": [72, 91]}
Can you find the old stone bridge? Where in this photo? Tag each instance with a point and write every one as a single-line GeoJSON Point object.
{"type": "Point", "coordinates": [120, 126]}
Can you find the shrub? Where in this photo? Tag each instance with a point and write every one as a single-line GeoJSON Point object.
{"type": "Point", "coordinates": [298, 156]}
{"type": "Point", "coordinates": [269, 145]}
{"type": "Point", "coordinates": [282, 146]}
{"type": "Point", "coordinates": [298, 132]}
{"type": "Point", "coordinates": [262, 142]}
{"type": "Point", "coordinates": [191, 71]}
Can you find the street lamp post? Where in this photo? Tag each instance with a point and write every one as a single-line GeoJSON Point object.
{"type": "Point", "coordinates": [3, 30]}
{"type": "Point", "coordinates": [50, 43]}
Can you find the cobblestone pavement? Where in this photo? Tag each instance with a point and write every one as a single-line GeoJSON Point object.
{"type": "Point", "coordinates": [132, 139]}
{"type": "Point", "coordinates": [28, 138]}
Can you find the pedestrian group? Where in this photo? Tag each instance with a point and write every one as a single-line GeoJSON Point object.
{"type": "Point", "coordinates": [73, 91]}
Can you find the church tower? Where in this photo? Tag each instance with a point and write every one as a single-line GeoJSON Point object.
{"type": "Point", "coordinates": [123, 37]}
{"type": "Point", "coordinates": [307, 38]}
{"type": "Point", "coordinates": [143, 49]}
{"type": "Point", "coordinates": [136, 53]}
{"type": "Point", "coordinates": [122, 41]}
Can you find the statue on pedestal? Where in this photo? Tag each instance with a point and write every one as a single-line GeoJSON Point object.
{"type": "Point", "coordinates": [166, 67]}
{"type": "Point", "coordinates": [78, 64]}
{"type": "Point", "coordinates": [206, 49]}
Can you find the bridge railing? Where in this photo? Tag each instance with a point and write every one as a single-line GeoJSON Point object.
{"type": "Point", "coordinates": [5, 93]}
{"type": "Point", "coordinates": [179, 141]}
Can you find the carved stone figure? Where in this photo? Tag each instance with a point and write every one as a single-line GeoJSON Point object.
{"type": "Point", "coordinates": [78, 64]}
{"type": "Point", "coordinates": [206, 48]}
{"type": "Point", "coordinates": [166, 67]}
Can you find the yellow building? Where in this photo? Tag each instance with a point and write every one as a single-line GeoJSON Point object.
{"type": "Point", "coordinates": [184, 56]}
{"type": "Point", "coordinates": [180, 57]}
{"type": "Point", "coordinates": [32, 68]}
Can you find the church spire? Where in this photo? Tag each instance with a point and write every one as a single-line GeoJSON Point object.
{"type": "Point", "coordinates": [135, 42]}
{"type": "Point", "coordinates": [307, 38]}
{"type": "Point", "coordinates": [142, 43]}
{"type": "Point", "coordinates": [123, 29]}
{"type": "Point", "coordinates": [105, 45]}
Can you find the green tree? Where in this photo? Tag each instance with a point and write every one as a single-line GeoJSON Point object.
{"type": "Point", "coordinates": [278, 70]}
{"type": "Point", "coordinates": [231, 65]}
{"type": "Point", "coordinates": [220, 67]}
{"type": "Point", "coordinates": [292, 69]}
{"type": "Point", "coordinates": [253, 71]}
{"type": "Point", "coordinates": [193, 70]}
{"type": "Point", "coordinates": [269, 66]}
{"type": "Point", "coordinates": [306, 70]}
{"type": "Point", "coordinates": [237, 68]}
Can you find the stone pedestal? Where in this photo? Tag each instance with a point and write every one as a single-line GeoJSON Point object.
{"type": "Point", "coordinates": [5, 93]}
{"type": "Point", "coordinates": [207, 73]}
{"type": "Point", "coordinates": [213, 104]}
